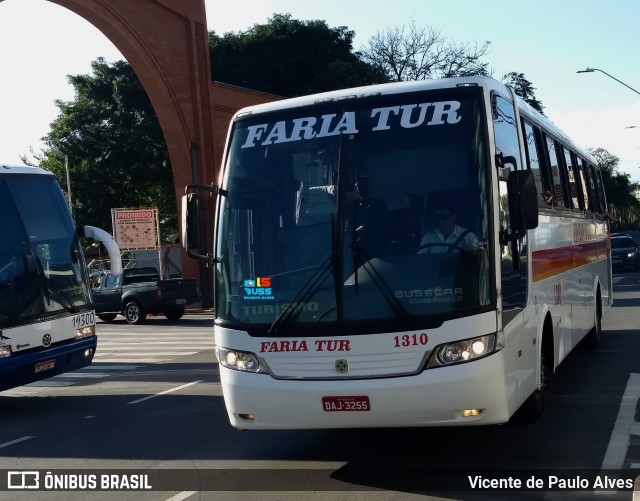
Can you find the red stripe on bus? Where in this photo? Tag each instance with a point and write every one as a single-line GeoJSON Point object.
{"type": "Point", "coordinates": [549, 262]}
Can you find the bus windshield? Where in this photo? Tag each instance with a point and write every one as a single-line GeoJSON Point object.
{"type": "Point", "coordinates": [42, 268]}
{"type": "Point", "coordinates": [366, 212]}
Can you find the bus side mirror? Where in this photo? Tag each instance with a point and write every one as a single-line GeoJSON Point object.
{"type": "Point", "coordinates": [191, 219]}
{"type": "Point", "coordinates": [523, 201]}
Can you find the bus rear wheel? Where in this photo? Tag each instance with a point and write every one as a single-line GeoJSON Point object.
{"type": "Point", "coordinates": [594, 336]}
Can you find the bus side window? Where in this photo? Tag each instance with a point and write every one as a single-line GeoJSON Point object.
{"type": "Point", "coordinates": [504, 128]}
{"type": "Point", "coordinates": [572, 179]}
{"type": "Point", "coordinates": [583, 184]}
{"type": "Point", "coordinates": [591, 184]}
{"type": "Point", "coordinates": [600, 189]}
{"type": "Point", "coordinates": [554, 164]}
{"type": "Point", "coordinates": [532, 142]}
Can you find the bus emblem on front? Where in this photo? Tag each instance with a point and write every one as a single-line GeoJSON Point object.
{"type": "Point", "coordinates": [342, 366]}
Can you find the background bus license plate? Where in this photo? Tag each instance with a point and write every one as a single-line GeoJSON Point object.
{"type": "Point", "coordinates": [44, 366]}
{"type": "Point", "coordinates": [181, 301]}
{"type": "Point", "coordinates": [346, 403]}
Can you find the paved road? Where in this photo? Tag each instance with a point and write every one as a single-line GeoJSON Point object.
{"type": "Point", "coordinates": [157, 409]}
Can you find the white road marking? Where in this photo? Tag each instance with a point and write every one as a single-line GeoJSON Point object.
{"type": "Point", "coordinates": [16, 441]}
{"type": "Point", "coordinates": [625, 426]}
{"type": "Point", "coordinates": [182, 495]}
{"type": "Point", "coordinates": [164, 392]}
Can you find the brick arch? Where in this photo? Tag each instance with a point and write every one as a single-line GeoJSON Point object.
{"type": "Point", "coordinates": [166, 44]}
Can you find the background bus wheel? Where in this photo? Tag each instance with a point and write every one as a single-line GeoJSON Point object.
{"type": "Point", "coordinates": [107, 317]}
{"type": "Point", "coordinates": [134, 314]}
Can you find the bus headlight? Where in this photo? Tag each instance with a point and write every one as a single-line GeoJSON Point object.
{"type": "Point", "coordinates": [5, 351]}
{"type": "Point", "coordinates": [238, 360]}
{"type": "Point", "coordinates": [86, 331]}
{"type": "Point", "coordinates": [463, 351]}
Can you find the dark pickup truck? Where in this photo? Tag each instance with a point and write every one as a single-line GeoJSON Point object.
{"type": "Point", "coordinates": [138, 291]}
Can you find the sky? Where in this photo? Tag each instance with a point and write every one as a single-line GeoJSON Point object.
{"type": "Point", "coordinates": [547, 40]}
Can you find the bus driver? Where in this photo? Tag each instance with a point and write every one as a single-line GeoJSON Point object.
{"type": "Point", "coordinates": [453, 237]}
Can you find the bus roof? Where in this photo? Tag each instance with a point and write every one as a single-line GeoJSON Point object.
{"type": "Point", "coordinates": [377, 89]}
{"type": "Point", "coordinates": [488, 83]}
{"type": "Point", "coordinates": [23, 169]}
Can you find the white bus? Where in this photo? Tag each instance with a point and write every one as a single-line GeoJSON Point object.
{"type": "Point", "coordinates": [47, 320]}
{"type": "Point", "coordinates": [341, 297]}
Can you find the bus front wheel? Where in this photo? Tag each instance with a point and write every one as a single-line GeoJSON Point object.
{"type": "Point", "coordinates": [531, 409]}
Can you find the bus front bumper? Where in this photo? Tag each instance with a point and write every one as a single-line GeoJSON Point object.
{"type": "Point", "coordinates": [24, 368]}
{"type": "Point", "coordinates": [466, 394]}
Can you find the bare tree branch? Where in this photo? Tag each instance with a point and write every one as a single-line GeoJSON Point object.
{"type": "Point", "coordinates": [411, 52]}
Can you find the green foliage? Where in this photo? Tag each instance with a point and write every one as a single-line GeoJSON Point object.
{"type": "Point", "coordinates": [619, 189]}
{"type": "Point", "coordinates": [288, 57]}
{"type": "Point", "coordinates": [116, 150]}
{"type": "Point", "coordinates": [523, 88]}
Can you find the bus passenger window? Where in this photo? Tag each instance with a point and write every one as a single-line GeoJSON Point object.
{"type": "Point", "coordinates": [540, 174]}
{"type": "Point", "coordinates": [584, 184]}
{"type": "Point", "coordinates": [593, 189]}
{"type": "Point", "coordinates": [600, 190]}
{"type": "Point", "coordinates": [554, 163]}
{"type": "Point", "coordinates": [574, 197]}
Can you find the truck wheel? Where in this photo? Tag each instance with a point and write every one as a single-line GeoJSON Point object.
{"type": "Point", "coordinates": [134, 314]}
{"type": "Point", "coordinates": [174, 314]}
{"type": "Point", "coordinates": [107, 317]}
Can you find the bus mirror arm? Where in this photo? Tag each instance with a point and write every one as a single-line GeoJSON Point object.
{"type": "Point", "coordinates": [192, 238]}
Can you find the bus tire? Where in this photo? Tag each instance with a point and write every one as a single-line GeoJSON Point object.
{"type": "Point", "coordinates": [174, 314]}
{"type": "Point", "coordinates": [107, 317]}
{"type": "Point", "coordinates": [531, 409]}
{"type": "Point", "coordinates": [134, 313]}
{"type": "Point", "coordinates": [594, 336]}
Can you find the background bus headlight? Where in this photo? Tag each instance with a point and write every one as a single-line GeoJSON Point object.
{"type": "Point", "coordinates": [87, 331]}
{"type": "Point", "coordinates": [238, 360]}
{"type": "Point", "coordinates": [463, 351]}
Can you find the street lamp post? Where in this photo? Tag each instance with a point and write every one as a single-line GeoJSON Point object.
{"type": "Point", "coordinates": [59, 154]}
{"type": "Point", "coordinates": [591, 70]}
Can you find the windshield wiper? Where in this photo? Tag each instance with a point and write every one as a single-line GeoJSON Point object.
{"type": "Point", "coordinates": [302, 294]}
{"type": "Point", "coordinates": [387, 294]}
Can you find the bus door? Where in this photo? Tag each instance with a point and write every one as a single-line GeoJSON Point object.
{"type": "Point", "coordinates": [513, 253]}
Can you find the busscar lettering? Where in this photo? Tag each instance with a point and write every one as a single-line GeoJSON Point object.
{"type": "Point", "coordinates": [406, 116]}
{"type": "Point", "coordinates": [295, 345]}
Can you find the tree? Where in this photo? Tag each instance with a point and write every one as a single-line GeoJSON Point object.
{"type": "Point", "coordinates": [288, 57]}
{"type": "Point", "coordinates": [117, 153]}
{"type": "Point", "coordinates": [523, 88]}
{"type": "Point", "coordinates": [410, 52]}
{"type": "Point", "coordinates": [620, 192]}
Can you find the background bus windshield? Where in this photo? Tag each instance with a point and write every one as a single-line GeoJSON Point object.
{"type": "Point", "coordinates": [42, 269]}
{"type": "Point", "coordinates": [367, 211]}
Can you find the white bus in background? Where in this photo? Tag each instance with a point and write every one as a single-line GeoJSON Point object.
{"type": "Point", "coordinates": [47, 321]}
{"type": "Point", "coordinates": [334, 309]}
